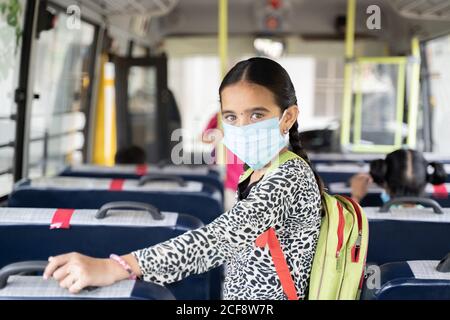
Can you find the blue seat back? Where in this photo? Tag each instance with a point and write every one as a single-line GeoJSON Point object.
{"type": "Point", "coordinates": [373, 197]}
{"type": "Point", "coordinates": [406, 281]}
{"type": "Point", "coordinates": [32, 241]}
{"type": "Point", "coordinates": [407, 234]}
{"type": "Point", "coordinates": [22, 287]}
{"type": "Point", "coordinates": [343, 172]}
{"type": "Point", "coordinates": [211, 177]}
{"type": "Point", "coordinates": [202, 205]}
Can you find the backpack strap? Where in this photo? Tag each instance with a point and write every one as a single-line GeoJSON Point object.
{"type": "Point", "coordinates": [269, 238]}
{"type": "Point", "coordinates": [283, 158]}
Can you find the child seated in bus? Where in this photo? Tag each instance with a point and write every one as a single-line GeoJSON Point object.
{"type": "Point", "coordinates": [403, 173]}
{"type": "Point", "coordinates": [131, 155]}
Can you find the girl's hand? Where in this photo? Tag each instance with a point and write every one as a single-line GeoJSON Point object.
{"type": "Point", "coordinates": [75, 272]}
{"type": "Point", "coordinates": [359, 184]}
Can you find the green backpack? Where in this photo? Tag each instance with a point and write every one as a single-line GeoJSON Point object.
{"type": "Point", "coordinates": [338, 267]}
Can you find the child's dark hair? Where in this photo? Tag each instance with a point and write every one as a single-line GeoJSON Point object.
{"type": "Point", "coordinates": [405, 172]}
{"type": "Point", "coordinates": [272, 76]}
{"type": "Point", "coordinates": [131, 155]}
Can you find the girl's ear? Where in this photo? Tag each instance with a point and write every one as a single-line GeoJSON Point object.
{"type": "Point", "coordinates": [290, 117]}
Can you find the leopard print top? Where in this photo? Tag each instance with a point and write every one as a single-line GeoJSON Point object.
{"type": "Point", "coordinates": [286, 199]}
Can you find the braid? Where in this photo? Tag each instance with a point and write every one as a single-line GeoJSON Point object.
{"type": "Point", "coordinates": [297, 148]}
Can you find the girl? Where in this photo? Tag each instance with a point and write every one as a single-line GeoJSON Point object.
{"type": "Point", "coordinates": [259, 110]}
{"type": "Point", "coordinates": [403, 173]}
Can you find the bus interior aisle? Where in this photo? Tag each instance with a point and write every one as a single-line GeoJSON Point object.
{"type": "Point", "coordinates": [224, 149]}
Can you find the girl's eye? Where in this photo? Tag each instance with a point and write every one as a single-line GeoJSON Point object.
{"type": "Point", "coordinates": [230, 118]}
{"type": "Point", "coordinates": [257, 116]}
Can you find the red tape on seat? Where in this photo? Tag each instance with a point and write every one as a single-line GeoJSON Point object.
{"type": "Point", "coordinates": [281, 267]}
{"type": "Point", "coordinates": [440, 191]}
{"type": "Point", "coordinates": [116, 185]}
{"type": "Point", "coordinates": [61, 219]}
{"type": "Point", "coordinates": [142, 170]}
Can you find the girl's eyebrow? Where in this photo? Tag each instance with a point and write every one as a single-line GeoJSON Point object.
{"type": "Point", "coordinates": [227, 111]}
{"type": "Point", "coordinates": [255, 109]}
{"type": "Point", "coordinates": [258, 109]}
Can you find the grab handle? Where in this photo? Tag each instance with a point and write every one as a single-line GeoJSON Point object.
{"type": "Point", "coordinates": [161, 177]}
{"type": "Point", "coordinates": [402, 200]}
{"type": "Point", "coordinates": [20, 267]}
{"type": "Point", "coordinates": [153, 211]}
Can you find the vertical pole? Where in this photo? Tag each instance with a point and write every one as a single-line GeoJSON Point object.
{"type": "Point", "coordinates": [223, 55]}
{"type": "Point", "coordinates": [45, 156]}
{"type": "Point", "coordinates": [348, 72]}
{"type": "Point", "coordinates": [105, 142]}
{"type": "Point", "coordinates": [401, 82]}
{"type": "Point", "coordinates": [426, 98]}
{"type": "Point", "coordinates": [223, 36]}
{"type": "Point", "coordinates": [97, 77]}
{"type": "Point", "coordinates": [413, 108]}
{"type": "Point", "coordinates": [357, 119]}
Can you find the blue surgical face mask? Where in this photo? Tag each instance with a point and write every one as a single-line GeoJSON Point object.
{"type": "Point", "coordinates": [255, 144]}
{"type": "Point", "coordinates": [385, 197]}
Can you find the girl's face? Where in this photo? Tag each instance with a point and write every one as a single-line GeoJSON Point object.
{"type": "Point", "coordinates": [246, 103]}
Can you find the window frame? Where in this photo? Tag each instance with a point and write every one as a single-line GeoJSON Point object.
{"type": "Point", "coordinates": [24, 94]}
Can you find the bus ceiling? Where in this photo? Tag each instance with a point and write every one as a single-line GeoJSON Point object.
{"type": "Point", "coordinates": [148, 22]}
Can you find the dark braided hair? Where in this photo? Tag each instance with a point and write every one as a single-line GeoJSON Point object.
{"type": "Point", "coordinates": [274, 77]}
{"type": "Point", "coordinates": [405, 172]}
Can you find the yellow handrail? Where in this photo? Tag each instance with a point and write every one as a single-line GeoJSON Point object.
{"type": "Point", "coordinates": [223, 55]}
{"type": "Point", "coordinates": [353, 97]}
{"type": "Point", "coordinates": [401, 83]}
{"type": "Point", "coordinates": [383, 60]}
{"type": "Point", "coordinates": [223, 36]}
{"type": "Point", "coordinates": [105, 141]}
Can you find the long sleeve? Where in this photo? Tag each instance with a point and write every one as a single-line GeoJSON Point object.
{"type": "Point", "coordinates": [200, 250]}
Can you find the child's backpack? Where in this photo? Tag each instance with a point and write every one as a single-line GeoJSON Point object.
{"type": "Point", "coordinates": [339, 262]}
{"type": "Point", "coordinates": [338, 267]}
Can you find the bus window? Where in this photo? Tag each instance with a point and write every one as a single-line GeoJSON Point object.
{"type": "Point", "coordinates": [142, 107]}
{"type": "Point", "coordinates": [194, 80]}
{"type": "Point", "coordinates": [62, 83]}
{"type": "Point", "coordinates": [437, 55]}
{"type": "Point", "coordinates": [9, 67]}
{"type": "Point", "coordinates": [328, 87]}
{"type": "Point", "coordinates": [376, 99]}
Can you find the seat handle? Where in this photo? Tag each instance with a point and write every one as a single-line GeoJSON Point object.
{"type": "Point", "coordinates": [419, 200]}
{"type": "Point", "coordinates": [152, 210]}
{"type": "Point", "coordinates": [153, 177]}
{"type": "Point", "coordinates": [18, 268]}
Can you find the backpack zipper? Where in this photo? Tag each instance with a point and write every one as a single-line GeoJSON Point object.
{"type": "Point", "coordinates": [358, 242]}
{"type": "Point", "coordinates": [340, 231]}
{"type": "Point", "coordinates": [325, 257]}
{"type": "Point", "coordinates": [357, 247]}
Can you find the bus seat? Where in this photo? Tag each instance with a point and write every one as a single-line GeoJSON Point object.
{"type": "Point", "coordinates": [373, 198]}
{"type": "Point", "coordinates": [343, 172]}
{"type": "Point", "coordinates": [16, 285]}
{"type": "Point", "coordinates": [339, 172]}
{"type": "Point", "coordinates": [25, 235]}
{"type": "Point", "coordinates": [194, 198]}
{"type": "Point", "coordinates": [341, 158]}
{"type": "Point", "coordinates": [204, 174]}
{"type": "Point", "coordinates": [407, 234]}
{"type": "Point", "coordinates": [410, 280]}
